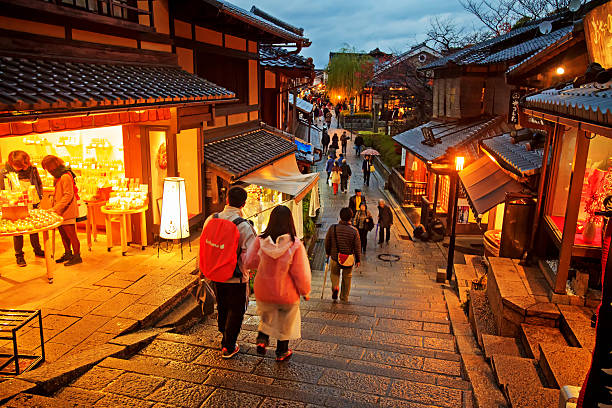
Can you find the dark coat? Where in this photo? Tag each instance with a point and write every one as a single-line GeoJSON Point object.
{"type": "Point", "coordinates": [344, 139]}
{"type": "Point", "coordinates": [325, 139]}
{"type": "Point", "coordinates": [335, 139]}
{"type": "Point", "coordinates": [348, 241]}
{"type": "Point", "coordinates": [365, 166]}
{"type": "Point", "coordinates": [359, 141]}
{"type": "Point", "coordinates": [353, 202]}
{"type": "Point", "coordinates": [346, 171]}
{"type": "Point", "coordinates": [385, 216]}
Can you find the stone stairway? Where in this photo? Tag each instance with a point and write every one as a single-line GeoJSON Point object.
{"type": "Point", "coordinates": [391, 346]}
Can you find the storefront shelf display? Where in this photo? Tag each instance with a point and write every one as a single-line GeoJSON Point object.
{"type": "Point", "coordinates": [35, 221]}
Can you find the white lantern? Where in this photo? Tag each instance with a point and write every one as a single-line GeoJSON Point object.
{"type": "Point", "coordinates": [174, 219]}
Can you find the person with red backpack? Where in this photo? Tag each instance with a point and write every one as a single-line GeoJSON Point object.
{"type": "Point", "coordinates": [223, 247]}
{"type": "Point", "coordinates": [64, 202]}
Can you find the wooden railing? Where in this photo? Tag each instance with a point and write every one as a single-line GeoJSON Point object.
{"type": "Point", "coordinates": [407, 192]}
{"type": "Point", "coordinates": [122, 9]}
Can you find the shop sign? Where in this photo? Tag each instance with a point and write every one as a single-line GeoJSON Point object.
{"type": "Point", "coordinates": [403, 163]}
{"type": "Point", "coordinates": [514, 109]}
{"type": "Point", "coordinates": [598, 30]}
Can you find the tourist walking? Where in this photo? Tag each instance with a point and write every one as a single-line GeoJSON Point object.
{"type": "Point", "coordinates": [364, 223]}
{"type": "Point", "coordinates": [324, 140]}
{"type": "Point", "coordinates": [64, 203]}
{"type": "Point", "coordinates": [333, 147]}
{"type": "Point", "coordinates": [329, 166]}
{"type": "Point", "coordinates": [283, 275]}
{"type": "Point", "coordinates": [336, 178]}
{"type": "Point", "coordinates": [358, 144]}
{"type": "Point", "coordinates": [356, 200]}
{"type": "Point", "coordinates": [366, 167]}
{"type": "Point", "coordinates": [345, 175]}
{"type": "Point", "coordinates": [225, 238]}
{"type": "Point", "coordinates": [343, 249]}
{"type": "Point", "coordinates": [316, 113]}
{"type": "Point", "coordinates": [20, 167]}
{"type": "Point", "coordinates": [344, 141]}
{"type": "Point", "coordinates": [328, 118]}
{"type": "Point", "coordinates": [385, 220]}
{"type": "Point", "coordinates": [337, 112]}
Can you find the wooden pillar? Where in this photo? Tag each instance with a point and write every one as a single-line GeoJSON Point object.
{"type": "Point", "coordinates": [435, 201]}
{"type": "Point", "coordinates": [294, 118]}
{"type": "Point", "coordinates": [571, 212]}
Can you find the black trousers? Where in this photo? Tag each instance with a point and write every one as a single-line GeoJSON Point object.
{"type": "Point", "coordinates": [366, 178]}
{"type": "Point", "coordinates": [18, 244]}
{"type": "Point", "coordinates": [381, 234]}
{"type": "Point", "coordinates": [231, 305]}
{"type": "Point", "coordinates": [343, 183]}
{"type": "Point", "coordinates": [363, 237]}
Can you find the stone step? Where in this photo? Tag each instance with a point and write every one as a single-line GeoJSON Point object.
{"type": "Point", "coordinates": [480, 316]}
{"type": "Point", "coordinates": [531, 336]}
{"type": "Point", "coordinates": [515, 371]}
{"type": "Point", "coordinates": [464, 275]}
{"type": "Point", "coordinates": [532, 397]}
{"type": "Point", "coordinates": [563, 365]}
{"type": "Point", "coordinates": [576, 326]}
{"type": "Point", "coordinates": [477, 262]}
{"type": "Point", "coordinates": [506, 346]}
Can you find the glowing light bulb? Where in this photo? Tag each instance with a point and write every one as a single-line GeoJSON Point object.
{"type": "Point", "coordinates": [560, 70]}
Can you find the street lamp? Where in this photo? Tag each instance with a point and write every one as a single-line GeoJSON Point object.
{"type": "Point", "coordinates": [459, 161]}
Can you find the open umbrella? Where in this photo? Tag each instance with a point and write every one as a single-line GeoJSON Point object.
{"type": "Point", "coordinates": [370, 152]}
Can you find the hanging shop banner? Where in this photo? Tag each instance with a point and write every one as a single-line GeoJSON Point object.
{"type": "Point", "coordinates": [515, 97]}
{"type": "Point", "coordinates": [598, 30]}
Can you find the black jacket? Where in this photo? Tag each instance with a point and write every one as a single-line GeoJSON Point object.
{"type": "Point", "coordinates": [359, 141]}
{"type": "Point", "coordinates": [353, 202]}
{"type": "Point", "coordinates": [365, 166]}
{"type": "Point", "coordinates": [325, 139]}
{"type": "Point", "coordinates": [348, 241]}
{"type": "Point", "coordinates": [346, 171]}
{"type": "Point", "coordinates": [385, 216]}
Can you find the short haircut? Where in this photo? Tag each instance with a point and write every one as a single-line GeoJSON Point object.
{"type": "Point", "coordinates": [236, 197]}
{"type": "Point", "coordinates": [51, 162]}
{"type": "Point", "coordinates": [18, 159]}
{"type": "Point", "coordinates": [346, 214]}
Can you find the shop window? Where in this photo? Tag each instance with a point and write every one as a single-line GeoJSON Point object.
{"type": "Point", "coordinates": [159, 163]}
{"type": "Point", "coordinates": [95, 155]}
{"type": "Point", "coordinates": [443, 193]}
{"type": "Point", "coordinates": [560, 188]}
{"type": "Point", "coordinates": [229, 72]}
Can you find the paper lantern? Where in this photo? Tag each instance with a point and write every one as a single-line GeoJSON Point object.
{"type": "Point", "coordinates": [174, 218]}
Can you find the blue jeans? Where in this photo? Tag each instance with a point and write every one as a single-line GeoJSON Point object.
{"type": "Point", "coordinates": [358, 149]}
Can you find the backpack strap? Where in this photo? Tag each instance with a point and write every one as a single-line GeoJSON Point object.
{"type": "Point", "coordinates": [237, 221]}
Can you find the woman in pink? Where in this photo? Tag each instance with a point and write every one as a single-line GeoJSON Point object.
{"type": "Point", "coordinates": [283, 275]}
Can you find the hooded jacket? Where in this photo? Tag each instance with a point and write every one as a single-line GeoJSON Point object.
{"type": "Point", "coordinates": [283, 270]}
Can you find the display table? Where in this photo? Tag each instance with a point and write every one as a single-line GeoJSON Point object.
{"type": "Point", "coordinates": [50, 264]}
{"type": "Point", "coordinates": [121, 217]}
{"type": "Point", "coordinates": [91, 227]}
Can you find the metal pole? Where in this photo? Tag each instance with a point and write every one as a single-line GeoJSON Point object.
{"type": "Point", "coordinates": [451, 244]}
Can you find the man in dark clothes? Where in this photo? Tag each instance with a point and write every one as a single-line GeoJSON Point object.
{"type": "Point", "coordinates": [358, 144]}
{"type": "Point", "coordinates": [337, 112]}
{"type": "Point", "coordinates": [342, 238]}
{"type": "Point", "coordinates": [344, 141]}
{"type": "Point", "coordinates": [356, 201]}
{"type": "Point", "coordinates": [325, 140]}
{"type": "Point", "coordinates": [385, 220]}
{"type": "Point", "coordinates": [345, 175]}
{"type": "Point", "coordinates": [365, 167]}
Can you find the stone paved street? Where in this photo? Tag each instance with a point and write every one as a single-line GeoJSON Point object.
{"type": "Point", "coordinates": [390, 346]}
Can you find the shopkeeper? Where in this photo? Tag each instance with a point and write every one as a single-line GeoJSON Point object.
{"type": "Point", "coordinates": [65, 204]}
{"type": "Point", "coordinates": [19, 162]}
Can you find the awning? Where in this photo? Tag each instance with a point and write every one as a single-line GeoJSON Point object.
{"type": "Point", "coordinates": [283, 175]}
{"type": "Point", "coordinates": [486, 184]}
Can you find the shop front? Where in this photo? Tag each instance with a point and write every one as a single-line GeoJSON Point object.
{"type": "Point", "coordinates": [115, 126]}
{"type": "Point", "coordinates": [263, 161]}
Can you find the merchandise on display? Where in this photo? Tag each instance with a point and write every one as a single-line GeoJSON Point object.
{"type": "Point", "coordinates": [129, 196]}
{"type": "Point", "coordinates": [35, 220]}
{"type": "Point", "coordinates": [259, 204]}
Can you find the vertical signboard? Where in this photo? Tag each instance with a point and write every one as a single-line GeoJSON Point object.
{"type": "Point", "coordinates": [598, 31]}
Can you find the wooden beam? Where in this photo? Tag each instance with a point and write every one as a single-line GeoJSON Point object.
{"type": "Point", "coordinates": [231, 109]}
{"type": "Point", "coordinates": [213, 49]}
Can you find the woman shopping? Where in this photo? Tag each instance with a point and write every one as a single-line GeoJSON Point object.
{"type": "Point", "coordinates": [65, 204]}
{"type": "Point", "coordinates": [283, 275]}
{"type": "Point", "coordinates": [19, 163]}
{"type": "Point", "coordinates": [364, 222]}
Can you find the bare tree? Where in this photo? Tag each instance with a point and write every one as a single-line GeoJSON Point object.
{"type": "Point", "coordinates": [446, 35]}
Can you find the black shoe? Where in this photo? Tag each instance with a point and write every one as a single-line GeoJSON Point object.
{"type": "Point", "coordinates": [335, 294]}
{"type": "Point", "coordinates": [76, 259]}
{"type": "Point", "coordinates": [39, 253]}
{"type": "Point", "coordinates": [66, 257]}
{"type": "Point", "coordinates": [284, 356]}
{"type": "Point", "coordinates": [21, 261]}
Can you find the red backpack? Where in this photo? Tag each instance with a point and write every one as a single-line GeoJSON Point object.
{"type": "Point", "coordinates": [220, 249]}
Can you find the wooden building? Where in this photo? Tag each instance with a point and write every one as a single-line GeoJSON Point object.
{"type": "Point", "coordinates": [132, 91]}
{"type": "Point", "coordinates": [471, 102]}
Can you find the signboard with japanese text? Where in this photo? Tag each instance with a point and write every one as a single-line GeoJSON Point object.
{"type": "Point", "coordinates": [598, 30]}
{"type": "Point", "coordinates": [513, 109]}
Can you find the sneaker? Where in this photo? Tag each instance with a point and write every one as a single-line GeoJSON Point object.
{"type": "Point", "coordinates": [66, 257]}
{"type": "Point", "coordinates": [39, 253]}
{"type": "Point", "coordinates": [229, 354]}
{"type": "Point", "coordinates": [21, 261]}
{"type": "Point", "coordinates": [335, 294]}
{"type": "Point", "coordinates": [76, 259]}
{"type": "Point", "coordinates": [284, 356]}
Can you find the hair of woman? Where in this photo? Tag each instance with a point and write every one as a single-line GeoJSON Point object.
{"type": "Point", "coordinates": [280, 223]}
{"type": "Point", "coordinates": [18, 159]}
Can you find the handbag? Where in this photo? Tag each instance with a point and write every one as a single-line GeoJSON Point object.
{"type": "Point", "coordinates": [205, 296]}
{"type": "Point", "coordinates": [369, 224]}
{"type": "Point", "coordinates": [346, 260]}
{"type": "Point", "coordinates": [372, 168]}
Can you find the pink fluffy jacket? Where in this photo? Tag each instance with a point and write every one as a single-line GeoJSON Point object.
{"type": "Point", "coordinates": [283, 270]}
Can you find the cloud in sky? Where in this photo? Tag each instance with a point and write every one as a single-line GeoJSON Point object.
{"type": "Point", "coordinates": [391, 25]}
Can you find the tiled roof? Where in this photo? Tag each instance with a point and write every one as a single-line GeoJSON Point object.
{"type": "Point", "coordinates": [503, 47]}
{"type": "Point", "coordinates": [592, 102]}
{"type": "Point", "coordinates": [404, 56]}
{"type": "Point", "coordinates": [302, 105]}
{"type": "Point", "coordinates": [451, 134]}
{"type": "Point", "coordinates": [40, 84]}
{"type": "Point", "coordinates": [246, 152]}
{"type": "Point", "coordinates": [255, 20]}
{"type": "Point", "coordinates": [274, 57]}
{"type": "Point", "coordinates": [515, 156]}
{"type": "Point", "coordinates": [562, 39]}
